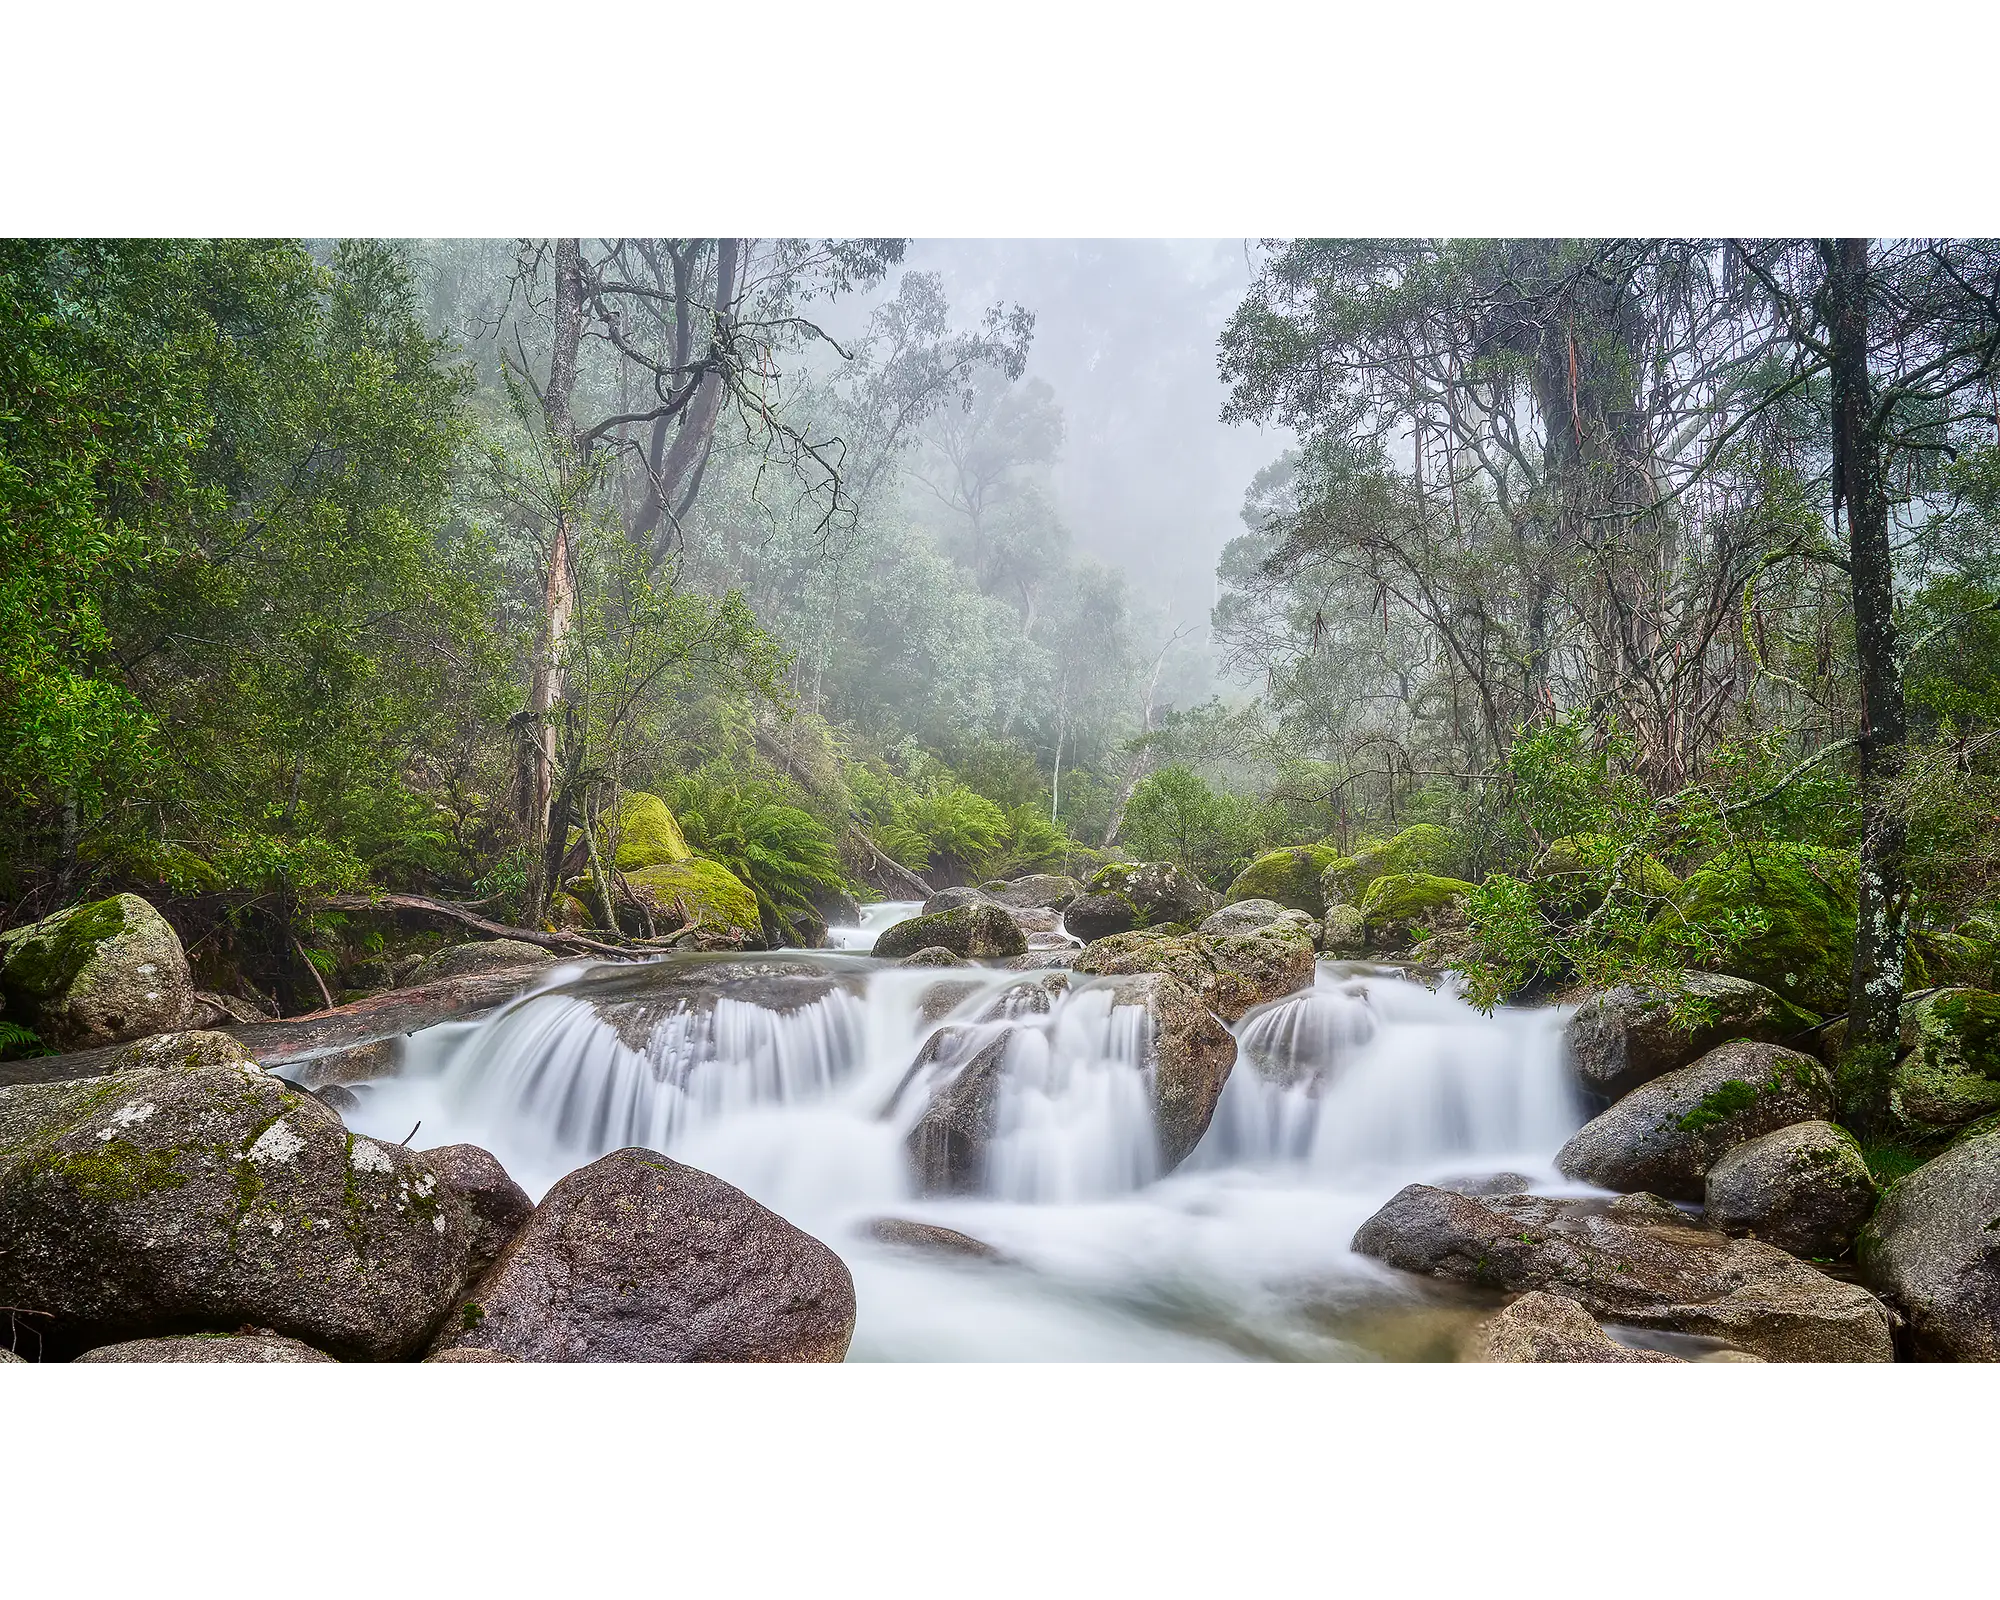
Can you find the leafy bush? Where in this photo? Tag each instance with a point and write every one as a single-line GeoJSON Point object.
{"type": "Point", "coordinates": [756, 829]}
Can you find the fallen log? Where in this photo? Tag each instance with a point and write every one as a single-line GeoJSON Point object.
{"type": "Point", "coordinates": [562, 943]}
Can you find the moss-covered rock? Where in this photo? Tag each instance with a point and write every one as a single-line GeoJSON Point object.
{"type": "Point", "coordinates": [1422, 848]}
{"type": "Point", "coordinates": [1156, 890]}
{"type": "Point", "coordinates": [483, 956]}
{"type": "Point", "coordinates": [1626, 1036]}
{"type": "Point", "coordinates": [1949, 1072]}
{"type": "Point", "coordinates": [1572, 872]}
{"type": "Point", "coordinates": [97, 974]}
{"type": "Point", "coordinates": [1229, 973]}
{"type": "Point", "coordinates": [1805, 1188]}
{"type": "Point", "coordinates": [703, 894]}
{"type": "Point", "coordinates": [1289, 877]}
{"type": "Point", "coordinates": [646, 833]}
{"type": "Point", "coordinates": [1932, 1251]}
{"type": "Point", "coordinates": [1396, 906]}
{"type": "Point", "coordinates": [979, 931]}
{"type": "Point", "coordinates": [1344, 932]}
{"type": "Point", "coordinates": [1807, 897]}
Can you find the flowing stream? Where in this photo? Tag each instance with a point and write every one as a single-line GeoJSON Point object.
{"type": "Point", "coordinates": [797, 1076]}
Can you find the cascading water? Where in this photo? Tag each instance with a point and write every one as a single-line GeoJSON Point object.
{"type": "Point", "coordinates": [800, 1078]}
{"type": "Point", "coordinates": [876, 919]}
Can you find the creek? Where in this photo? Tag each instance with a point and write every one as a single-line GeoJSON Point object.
{"type": "Point", "coordinates": [790, 1075]}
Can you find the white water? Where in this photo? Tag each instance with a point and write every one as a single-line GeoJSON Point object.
{"type": "Point", "coordinates": [875, 920]}
{"type": "Point", "coordinates": [1368, 1082]}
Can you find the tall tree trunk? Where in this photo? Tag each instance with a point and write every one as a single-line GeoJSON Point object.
{"type": "Point", "coordinates": [559, 592]}
{"type": "Point", "coordinates": [1875, 990]}
{"type": "Point", "coordinates": [674, 469]}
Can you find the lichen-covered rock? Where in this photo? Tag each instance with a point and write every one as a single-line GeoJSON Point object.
{"type": "Point", "coordinates": [1038, 891]}
{"type": "Point", "coordinates": [1158, 891]}
{"type": "Point", "coordinates": [645, 833]}
{"type": "Point", "coordinates": [469, 1354]}
{"type": "Point", "coordinates": [1345, 931]}
{"type": "Point", "coordinates": [951, 899]}
{"type": "Point", "coordinates": [1422, 848]}
{"type": "Point", "coordinates": [97, 974]}
{"type": "Point", "coordinates": [482, 956]}
{"type": "Point", "coordinates": [1623, 1037]}
{"type": "Point", "coordinates": [496, 1207]}
{"type": "Point", "coordinates": [1547, 1327]}
{"type": "Point", "coordinates": [1189, 1054]}
{"type": "Point", "coordinates": [1398, 906]}
{"type": "Point", "coordinates": [1229, 973]}
{"type": "Point", "coordinates": [1932, 1250]}
{"type": "Point", "coordinates": [1634, 1260]}
{"type": "Point", "coordinates": [1665, 1135]}
{"type": "Point", "coordinates": [639, 1258]}
{"type": "Point", "coordinates": [1807, 897]}
{"type": "Point", "coordinates": [1242, 916]}
{"type": "Point", "coordinates": [1289, 877]}
{"type": "Point", "coordinates": [1098, 916]}
{"type": "Point", "coordinates": [978, 931]}
{"type": "Point", "coordinates": [703, 894]}
{"type": "Point", "coordinates": [250, 1349]}
{"type": "Point", "coordinates": [934, 955]}
{"type": "Point", "coordinates": [1804, 1188]}
{"type": "Point", "coordinates": [177, 1198]}
{"type": "Point", "coordinates": [1949, 1071]}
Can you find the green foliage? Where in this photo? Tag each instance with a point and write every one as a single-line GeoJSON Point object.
{"type": "Point", "coordinates": [1174, 816]}
{"type": "Point", "coordinates": [1779, 913]}
{"type": "Point", "coordinates": [762, 832]}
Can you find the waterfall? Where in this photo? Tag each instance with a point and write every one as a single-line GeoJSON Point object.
{"type": "Point", "coordinates": [800, 1077]}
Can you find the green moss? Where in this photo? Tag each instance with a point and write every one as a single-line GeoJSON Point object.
{"type": "Point", "coordinates": [648, 835]}
{"type": "Point", "coordinates": [1574, 871]}
{"type": "Point", "coordinates": [45, 958]}
{"type": "Point", "coordinates": [1720, 1104]}
{"type": "Point", "coordinates": [1394, 905]}
{"type": "Point", "coordinates": [1422, 849]}
{"type": "Point", "coordinates": [471, 1315]}
{"type": "Point", "coordinates": [117, 1170]}
{"type": "Point", "coordinates": [711, 896]}
{"type": "Point", "coordinates": [1290, 877]}
{"type": "Point", "coordinates": [1806, 898]}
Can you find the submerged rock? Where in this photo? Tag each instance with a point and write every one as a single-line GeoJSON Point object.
{"type": "Point", "coordinates": [1547, 1327]}
{"type": "Point", "coordinates": [949, 1143]}
{"type": "Point", "coordinates": [639, 1258]}
{"type": "Point", "coordinates": [933, 956]}
{"type": "Point", "coordinates": [496, 1207]}
{"type": "Point", "coordinates": [1634, 1260]}
{"type": "Point", "coordinates": [178, 1197]}
{"type": "Point", "coordinates": [978, 931]}
{"type": "Point", "coordinates": [238, 1348]}
{"type": "Point", "coordinates": [97, 974]}
{"type": "Point", "coordinates": [931, 1239]}
{"type": "Point", "coordinates": [1804, 1188]}
{"type": "Point", "coordinates": [1623, 1037]}
{"type": "Point", "coordinates": [1666, 1134]}
{"type": "Point", "coordinates": [483, 956]}
{"type": "Point", "coordinates": [1932, 1250]}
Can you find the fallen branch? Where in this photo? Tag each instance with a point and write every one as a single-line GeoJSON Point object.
{"type": "Point", "coordinates": [415, 902]}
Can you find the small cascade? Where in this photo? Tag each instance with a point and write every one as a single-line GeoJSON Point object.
{"type": "Point", "coordinates": [876, 920]}
{"type": "Point", "coordinates": [806, 1078]}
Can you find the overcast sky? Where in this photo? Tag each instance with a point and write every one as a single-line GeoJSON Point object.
{"type": "Point", "coordinates": [1150, 479]}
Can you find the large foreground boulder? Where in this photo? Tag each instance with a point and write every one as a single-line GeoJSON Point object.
{"type": "Point", "coordinates": [242, 1349]}
{"type": "Point", "coordinates": [639, 1258]}
{"type": "Point", "coordinates": [977, 931]}
{"type": "Point", "coordinates": [1633, 1260]}
{"type": "Point", "coordinates": [1665, 1135]}
{"type": "Point", "coordinates": [199, 1193]}
{"type": "Point", "coordinates": [1932, 1250]}
{"type": "Point", "coordinates": [1805, 1188]}
{"type": "Point", "coordinates": [1229, 973]}
{"type": "Point", "coordinates": [1290, 877]}
{"type": "Point", "coordinates": [1623, 1037]}
{"type": "Point", "coordinates": [97, 974]}
{"type": "Point", "coordinates": [483, 956]}
{"type": "Point", "coordinates": [1547, 1327]}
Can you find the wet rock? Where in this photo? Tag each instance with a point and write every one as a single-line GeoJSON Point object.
{"type": "Point", "coordinates": [1038, 891]}
{"type": "Point", "coordinates": [940, 1000]}
{"type": "Point", "coordinates": [240, 1348]}
{"type": "Point", "coordinates": [361, 1063]}
{"type": "Point", "coordinates": [949, 1142]}
{"type": "Point", "coordinates": [1039, 960]}
{"type": "Point", "coordinates": [1949, 1071]}
{"type": "Point", "coordinates": [1623, 1037]}
{"type": "Point", "coordinates": [1547, 1327]}
{"type": "Point", "coordinates": [1229, 973]}
{"type": "Point", "coordinates": [1489, 1183]}
{"type": "Point", "coordinates": [469, 1353]}
{"type": "Point", "coordinates": [1099, 916]}
{"type": "Point", "coordinates": [482, 956]}
{"type": "Point", "coordinates": [1190, 1054]}
{"type": "Point", "coordinates": [97, 974]}
{"type": "Point", "coordinates": [837, 908]}
{"type": "Point", "coordinates": [1666, 1134]}
{"type": "Point", "coordinates": [1026, 999]}
{"type": "Point", "coordinates": [1635, 1261]}
{"type": "Point", "coordinates": [1157, 892]}
{"type": "Point", "coordinates": [933, 956]}
{"type": "Point", "coordinates": [1345, 931]}
{"type": "Point", "coordinates": [978, 932]}
{"type": "Point", "coordinates": [1932, 1250]}
{"type": "Point", "coordinates": [1804, 1188]}
{"type": "Point", "coordinates": [175, 1197]}
{"type": "Point", "coordinates": [639, 1258]}
{"type": "Point", "coordinates": [931, 1239]}
{"type": "Point", "coordinates": [952, 899]}
{"type": "Point", "coordinates": [336, 1097]}
{"type": "Point", "coordinates": [496, 1207]}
